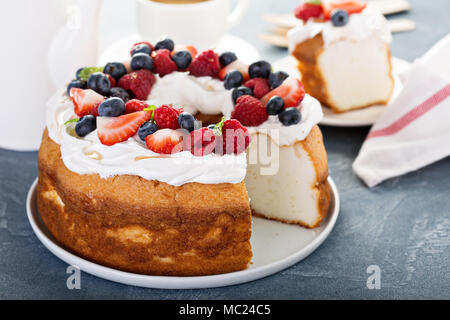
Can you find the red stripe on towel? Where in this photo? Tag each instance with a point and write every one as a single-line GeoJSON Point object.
{"type": "Point", "coordinates": [413, 114]}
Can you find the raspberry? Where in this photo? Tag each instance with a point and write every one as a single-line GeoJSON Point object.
{"type": "Point", "coordinates": [166, 116]}
{"type": "Point", "coordinates": [139, 83]}
{"type": "Point", "coordinates": [235, 138]}
{"type": "Point", "coordinates": [308, 10]}
{"type": "Point", "coordinates": [142, 42]}
{"type": "Point", "coordinates": [163, 63]}
{"type": "Point", "coordinates": [111, 80]}
{"type": "Point", "coordinates": [201, 142]}
{"type": "Point", "coordinates": [249, 111]}
{"type": "Point", "coordinates": [260, 86]}
{"type": "Point", "coordinates": [205, 64]}
{"type": "Point", "coordinates": [135, 105]}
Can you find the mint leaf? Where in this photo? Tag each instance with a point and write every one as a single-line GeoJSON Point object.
{"type": "Point", "coordinates": [151, 108]}
{"type": "Point", "coordinates": [218, 127]}
{"type": "Point", "coordinates": [316, 2]}
{"type": "Point", "coordinates": [86, 72]}
{"type": "Point", "coordinates": [71, 121]}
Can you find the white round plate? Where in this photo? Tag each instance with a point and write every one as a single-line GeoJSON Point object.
{"type": "Point", "coordinates": [356, 118]}
{"type": "Point", "coordinates": [275, 246]}
{"type": "Point", "coordinates": [120, 50]}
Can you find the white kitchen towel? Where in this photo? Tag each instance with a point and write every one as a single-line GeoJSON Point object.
{"type": "Point", "coordinates": [414, 130]}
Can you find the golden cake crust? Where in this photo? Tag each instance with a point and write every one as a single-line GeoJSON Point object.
{"type": "Point", "coordinates": [142, 226]}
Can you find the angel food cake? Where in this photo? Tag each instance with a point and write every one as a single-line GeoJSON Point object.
{"type": "Point", "coordinates": [343, 53]}
{"type": "Point", "coordinates": [143, 163]}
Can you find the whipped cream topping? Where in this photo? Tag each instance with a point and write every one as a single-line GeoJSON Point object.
{"type": "Point", "coordinates": [311, 111]}
{"type": "Point", "coordinates": [368, 23]}
{"type": "Point", "coordinates": [89, 156]}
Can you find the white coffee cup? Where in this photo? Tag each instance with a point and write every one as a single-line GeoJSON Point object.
{"type": "Point", "coordinates": [200, 24]}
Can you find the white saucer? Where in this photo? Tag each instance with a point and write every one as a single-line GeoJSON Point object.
{"type": "Point", "coordinates": [357, 118]}
{"type": "Point", "coordinates": [275, 246]}
{"type": "Point", "coordinates": [120, 50]}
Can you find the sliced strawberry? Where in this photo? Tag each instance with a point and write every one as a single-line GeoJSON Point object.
{"type": "Point", "coordinates": [235, 65]}
{"type": "Point", "coordinates": [85, 101]}
{"type": "Point", "coordinates": [165, 141]}
{"type": "Point", "coordinates": [351, 6]}
{"type": "Point", "coordinates": [112, 130]}
{"type": "Point", "coordinates": [291, 90]}
{"type": "Point", "coordinates": [191, 50]}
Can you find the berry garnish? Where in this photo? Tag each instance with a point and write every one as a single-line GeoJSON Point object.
{"type": "Point", "coordinates": [135, 105]}
{"type": "Point", "coordinates": [233, 79]}
{"type": "Point", "coordinates": [191, 49]}
{"type": "Point", "coordinates": [182, 59]}
{"type": "Point", "coordinates": [275, 105]}
{"type": "Point", "coordinates": [277, 78]}
{"type": "Point", "coordinates": [139, 83]}
{"type": "Point", "coordinates": [165, 44]}
{"type": "Point", "coordinates": [166, 116]}
{"type": "Point", "coordinates": [350, 6]}
{"type": "Point", "coordinates": [111, 107]}
{"type": "Point", "coordinates": [146, 129]}
{"type": "Point", "coordinates": [205, 64]}
{"type": "Point", "coordinates": [259, 86]}
{"type": "Point", "coordinates": [76, 84]}
{"type": "Point", "coordinates": [148, 44]}
{"type": "Point", "coordinates": [99, 82]}
{"type": "Point", "coordinates": [226, 58]}
{"type": "Point", "coordinates": [165, 141]}
{"type": "Point", "coordinates": [234, 138]}
{"type": "Point", "coordinates": [163, 63]}
{"type": "Point", "coordinates": [249, 111]}
{"type": "Point", "coordinates": [241, 91]}
{"type": "Point", "coordinates": [141, 61]}
{"type": "Point", "coordinates": [85, 125]}
{"type": "Point", "coordinates": [85, 101]}
{"type": "Point", "coordinates": [112, 130]}
{"type": "Point", "coordinates": [119, 93]}
{"type": "Point", "coordinates": [259, 69]}
{"type": "Point", "coordinates": [186, 121]}
{"type": "Point", "coordinates": [84, 73]}
{"type": "Point", "coordinates": [291, 90]}
{"type": "Point", "coordinates": [201, 142]}
{"type": "Point", "coordinates": [112, 81]}
{"type": "Point", "coordinates": [115, 69]}
{"type": "Point", "coordinates": [308, 10]}
{"type": "Point", "coordinates": [290, 116]}
{"type": "Point", "coordinates": [141, 48]}
{"type": "Point", "coordinates": [235, 65]}
{"type": "Point", "coordinates": [339, 18]}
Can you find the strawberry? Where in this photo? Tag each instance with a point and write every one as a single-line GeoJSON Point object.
{"type": "Point", "coordinates": [166, 116]}
{"type": "Point", "coordinates": [134, 105]}
{"type": "Point", "coordinates": [235, 65]}
{"type": "Point", "coordinates": [260, 86]}
{"type": "Point", "coordinates": [291, 90]}
{"type": "Point", "coordinates": [249, 111]}
{"type": "Point", "coordinates": [235, 138]}
{"type": "Point", "coordinates": [85, 101]}
{"type": "Point", "coordinates": [163, 63]}
{"type": "Point", "coordinates": [165, 141]}
{"type": "Point", "coordinates": [192, 50]}
{"type": "Point", "coordinates": [140, 83]}
{"type": "Point", "coordinates": [142, 42]}
{"type": "Point", "coordinates": [351, 6]}
{"type": "Point", "coordinates": [112, 130]}
{"type": "Point", "coordinates": [306, 10]}
{"type": "Point", "coordinates": [205, 64]}
{"type": "Point", "coordinates": [111, 80]}
{"type": "Point", "coordinates": [201, 142]}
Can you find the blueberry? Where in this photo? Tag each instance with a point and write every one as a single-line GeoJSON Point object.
{"type": "Point", "coordinates": [211, 126]}
{"type": "Point", "coordinates": [147, 128]}
{"type": "Point", "coordinates": [85, 125]}
{"type": "Point", "coordinates": [182, 59]}
{"type": "Point", "coordinates": [141, 61]}
{"type": "Point", "coordinates": [165, 44]}
{"type": "Point", "coordinates": [141, 48]}
{"type": "Point", "coordinates": [77, 74]}
{"type": "Point", "coordinates": [241, 91]}
{"type": "Point", "coordinates": [226, 58]}
{"type": "Point", "coordinates": [233, 79]}
{"type": "Point", "coordinates": [111, 107]}
{"type": "Point", "coordinates": [115, 69]}
{"type": "Point", "coordinates": [99, 82]}
{"type": "Point", "coordinates": [260, 69]}
{"type": "Point", "coordinates": [290, 116]}
{"type": "Point", "coordinates": [119, 93]}
{"type": "Point", "coordinates": [277, 78]}
{"type": "Point", "coordinates": [275, 105]}
{"type": "Point", "coordinates": [76, 84]}
{"type": "Point", "coordinates": [339, 18]}
{"type": "Point", "coordinates": [186, 121]}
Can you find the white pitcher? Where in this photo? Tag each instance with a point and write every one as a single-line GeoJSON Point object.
{"type": "Point", "coordinates": [43, 43]}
